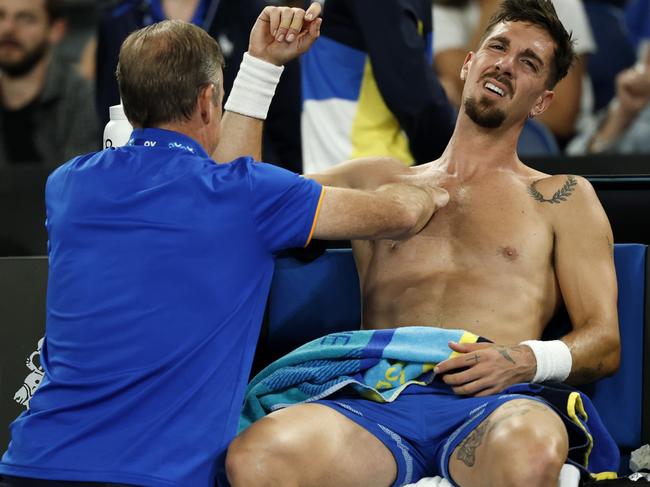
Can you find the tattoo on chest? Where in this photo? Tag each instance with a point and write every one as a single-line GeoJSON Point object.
{"type": "Point", "coordinates": [560, 195]}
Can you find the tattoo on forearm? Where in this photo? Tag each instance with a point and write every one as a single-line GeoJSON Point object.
{"type": "Point", "coordinates": [588, 374]}
{"type": "Point", "coordinates": [560, 195]}
{"type": "Point", "coordinates": [610, 244]}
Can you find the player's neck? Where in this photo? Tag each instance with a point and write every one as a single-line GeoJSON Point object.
{"type": "Point", "coordinates": [473, 150]}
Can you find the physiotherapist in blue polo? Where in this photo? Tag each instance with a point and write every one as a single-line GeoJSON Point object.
{"type": "Point", "coordinates": [160, 262]}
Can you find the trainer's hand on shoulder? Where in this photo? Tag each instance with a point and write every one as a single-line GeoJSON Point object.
{"type": "Point", "coordinates": [281, 34]}
{"type": "Point", "coordinates": [482, 369]}
{"type": "Point", "coordinates": [440, 196]}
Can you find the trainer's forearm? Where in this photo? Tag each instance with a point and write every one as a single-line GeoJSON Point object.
{"type": "Point", "coordinates": [394, 211]}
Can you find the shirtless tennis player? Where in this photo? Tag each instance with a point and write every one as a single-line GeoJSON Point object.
{"type": "Point", "coordinates": [509, 248]}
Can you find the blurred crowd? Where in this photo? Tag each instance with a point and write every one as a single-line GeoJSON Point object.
{"type": "Point", "coordinates": [382, 80]}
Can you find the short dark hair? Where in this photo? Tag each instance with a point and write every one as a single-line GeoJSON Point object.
{"type": "Point", "coordinates": [55, 9]}
{"type": "Point", "coordinates": [162, 69]}
{"type": "Point", "coordinates": [540, 13]}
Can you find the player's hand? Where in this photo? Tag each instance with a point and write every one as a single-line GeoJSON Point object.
{"type": "Point", "coordinates": [482, 369]}
{"type": "Point", "coordinates": [281, 34]}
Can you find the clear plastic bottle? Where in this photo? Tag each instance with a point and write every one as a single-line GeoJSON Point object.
{"type": "Point", "coordinates": [118, 129]}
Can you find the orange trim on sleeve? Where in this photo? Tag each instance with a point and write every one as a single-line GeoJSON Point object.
{"type": "Point", "coordinates": [313, 225]}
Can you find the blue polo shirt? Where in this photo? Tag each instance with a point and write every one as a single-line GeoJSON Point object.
{"type": "Point", "coordinates": [160, 262]}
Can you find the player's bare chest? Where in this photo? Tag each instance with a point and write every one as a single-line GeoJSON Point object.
{"type": "Point", "coordinates": [497, 224]}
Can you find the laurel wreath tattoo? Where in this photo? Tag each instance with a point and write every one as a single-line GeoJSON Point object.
{"type": "Point", "coordinates": [560, 195]}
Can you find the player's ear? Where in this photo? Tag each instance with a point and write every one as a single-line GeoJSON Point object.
{"type": "Point", "coordinates": [466, 65]}
{"type": "Point", "coordinates": [541, 104]}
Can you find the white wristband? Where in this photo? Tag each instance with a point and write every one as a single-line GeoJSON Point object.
{"type": "Point", "coordinates": [554, 360]}
{"type": "Point", "coordinates": [254, 87]}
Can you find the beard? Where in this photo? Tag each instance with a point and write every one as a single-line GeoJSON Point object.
{"type": "Point", "coordinates": [483, 113]}
{"type": "Point", "coordinates": [23, 65]}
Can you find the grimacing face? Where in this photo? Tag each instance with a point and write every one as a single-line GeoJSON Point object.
{"type": "Point", "coordinates": [24, 35]}
{"type": "Point", "coordinates": [505, 80]}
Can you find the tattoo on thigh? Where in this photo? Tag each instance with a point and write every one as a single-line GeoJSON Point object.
{"type": "Point", "coordinates": [466, 452]}
{"type": "Point", "coordinates": [467, 449]}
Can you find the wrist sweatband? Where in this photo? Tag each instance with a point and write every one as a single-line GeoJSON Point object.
{"type": "Point", "coordinates": [254, 87]}
{"type": "Point", "coordinates": [553, 360]}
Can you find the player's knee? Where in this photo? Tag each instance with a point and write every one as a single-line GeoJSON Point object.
{"type": "Point", "coordinates": [534, 450]}
{"type": "Point", "coordinates": [260, 456]}
{"type": "Point", "coordinates": [237, 459]}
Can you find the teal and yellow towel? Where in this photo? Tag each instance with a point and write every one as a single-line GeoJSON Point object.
{"type": "Point", "coordinates": [377, 364]}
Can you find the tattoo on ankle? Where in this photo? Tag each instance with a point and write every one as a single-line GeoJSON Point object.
{"type": "Point", "coordinates": [560, 195]}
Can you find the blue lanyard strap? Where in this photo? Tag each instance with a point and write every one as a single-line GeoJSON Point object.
{"type": "Point", "coordinates": [151, 137]}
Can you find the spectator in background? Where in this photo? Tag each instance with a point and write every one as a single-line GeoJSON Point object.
{"type": "Point", "coordinates": [46, 114]}
{"type": "Point", "coordinates": [624, 126]}
{"type": "Point", "coordinates": [227, 21]}
{"type": "Point", "coordinates": [458, 26]}
{"type": "Point", "coordinates": [637, 16]}
{"type": "Point", "coordinates": [368, 87]}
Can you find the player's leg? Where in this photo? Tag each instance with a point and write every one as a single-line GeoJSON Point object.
{"type": "Point", "coordinates": [309, 445]}
{"type": "Point", "coordinates": [522, 442]}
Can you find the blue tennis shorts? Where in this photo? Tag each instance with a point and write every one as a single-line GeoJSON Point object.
{"type": "Point", "coordinates": [423, 426]}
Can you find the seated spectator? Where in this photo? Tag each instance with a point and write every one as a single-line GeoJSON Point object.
{"type": "Point", "coordinates": [368, 87]}
{"type": "Point", "coordinates": [457, 28]}
{"type": "Point", "coordinates": [615, 51]}
{"type": "Point", "coordinates": [46, 114]}
{"type": "Point", "coordinates": [227, 21]}
{"type": "Point", "coordinates": [637, 16]}
{"type": "Point", "coordinates": [624, 126]}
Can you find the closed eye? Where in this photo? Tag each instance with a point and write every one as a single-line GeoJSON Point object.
{"type": "Point", "coordinates": [530, 64]}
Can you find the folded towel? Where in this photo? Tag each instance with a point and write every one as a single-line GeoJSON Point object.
{"type": "Point", "coordinates": [378, 364]}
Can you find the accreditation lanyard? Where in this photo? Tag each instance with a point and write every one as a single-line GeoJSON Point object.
{"type": "Point", "coordinates": [160, 138]}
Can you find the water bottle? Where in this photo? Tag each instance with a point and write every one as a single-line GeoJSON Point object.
{"type": "Point", "coordinates": [118, 129]}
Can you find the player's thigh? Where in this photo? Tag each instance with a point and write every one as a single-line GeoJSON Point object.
{"type": "Point", "coordinates": [515, 433]}
{"type": "Point", "coordinates": [323, 445]}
